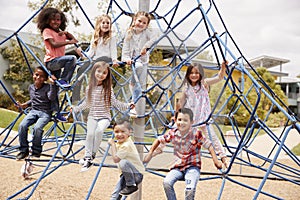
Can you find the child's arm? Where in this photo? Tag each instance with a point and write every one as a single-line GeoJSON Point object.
{"type": "Point", "coordinates": [217, 163]}
{"type": "Point", "coordinates": [181, 101]}
{"type": "Point", "coordinates": [152, 35]}
{"type": "Point", "coordinates": [116, 159]}
{"type": "Point", "coordinates": [151, 151]}
{"type": "Point", "coordinates": [126, 51]}
{"type": "Point", "coordinates": [23, 105]}
{"type": "Point", "coordinates": [70, 40]}
{"type": "Point", "coordinates": [221, 74]}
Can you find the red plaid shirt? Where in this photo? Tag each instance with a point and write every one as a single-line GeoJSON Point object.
{"type": "Point", "coordinates": [187, 148]}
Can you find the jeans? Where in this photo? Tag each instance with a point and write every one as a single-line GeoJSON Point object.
{"type": "Point", "coordinates": [140, 84]}
{"type": "Point", "coordinates": [40, 119]}
{"type": "Point", "coordinates": [95, 130]}
{"type": "Point", "coordinates": [191, 177]}
{"type": "Point", "coordinates": [130, 176]}
{"type": "Point", "coordinates": [76, 90]}
{"type": "Point", "coordinates": [67, 62]}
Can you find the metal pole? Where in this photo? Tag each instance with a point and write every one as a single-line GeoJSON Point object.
{"type": "Point", "coordinates": [139, 123]}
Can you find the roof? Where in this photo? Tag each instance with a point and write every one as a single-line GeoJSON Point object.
{"type": "Point", "coordinates": [267, 61]}
{"type": "Point", "coordinates": [26, 37]}
{"type": "Point", "coordinates": [289, 80]}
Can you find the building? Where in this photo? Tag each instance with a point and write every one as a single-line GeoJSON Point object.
{"type": "Point", "coordinates": [289, 85]}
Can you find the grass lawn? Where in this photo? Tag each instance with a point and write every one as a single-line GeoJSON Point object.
{"type": "Point", "coordinates": [7, 116]}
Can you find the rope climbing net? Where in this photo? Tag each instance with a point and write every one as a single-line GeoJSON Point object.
{"type": "Point", "coordinates": [185, 31]}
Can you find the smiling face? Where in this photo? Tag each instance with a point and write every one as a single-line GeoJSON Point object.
{"type": "Point", "coordinates": [194, 76]}
{"type": "Point", "coordinates": [121, 133]}
{"type": "Point", "coordinates": [105, 25]}
{"type": "Point", "coordinates": [101, 74]}
{"type": "Point", "coordinates": [140, 23]}
{"type": "Point", "coordinates": [39, 77]}
{"type": "Point", "coordinates": [55, 22]}
{"type": "Point", "coordinates": [183, 123]}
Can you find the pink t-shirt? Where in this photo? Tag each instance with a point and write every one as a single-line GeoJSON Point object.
{"type": "Point", "coordinates": [52, 52]}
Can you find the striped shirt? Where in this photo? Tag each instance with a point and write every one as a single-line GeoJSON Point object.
{"type": "Point", "coordinates": [187, 148]}
{"type": "Point", "coordinates": [97, 107]}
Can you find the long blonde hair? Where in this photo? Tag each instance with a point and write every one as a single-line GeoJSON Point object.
{"type": "Point", "coordinates": [97, 33]}
{"type": "Point", "coordinates": [130, 29]}
{"type": "Point", "coordinates": [106, 83]}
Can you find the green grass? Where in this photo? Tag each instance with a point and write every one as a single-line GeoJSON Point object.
{"type": "Point", "coordinates": [8, 116]}
{"type": "Point", "coordinates": [296, 150]}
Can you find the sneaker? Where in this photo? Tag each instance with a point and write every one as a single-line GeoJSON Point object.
{"type": "Point", "coordinates": [36, 155]}
{"type": "Point", "coordinates": [132, 113]}
{"type": "Point", "coordinates": [22, 155]}
{"type": "Point", "coordinates": [129, 190]}
{"type": "Point", "coordinates": [64, 83]}
{"type": "Point", "coordinates": [86, 165]}
{"type": "Point", "coordinates": [60, 118]}
{"type": "Point", "coordinates": [81, 161]}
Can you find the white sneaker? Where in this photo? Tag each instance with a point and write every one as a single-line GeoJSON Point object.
{"type": "Point", "coordinates": [87, 164]}
{"type": "Point", "coordinates": [132, 113]}
{"type": "Point", "coordinates": [81, 161]}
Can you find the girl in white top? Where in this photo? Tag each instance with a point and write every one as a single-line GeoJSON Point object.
{"type": "Point", "coordinates": [99, 99]}
{"type": "Point", "coordinates": [103, 47]}
{"type": "Point", "coordinates": [137, 40]}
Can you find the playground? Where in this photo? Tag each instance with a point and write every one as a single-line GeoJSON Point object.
{"type": "Point", "coordinates": [261, 163]}
{"type": "Point", "coordinates": [69, 183]}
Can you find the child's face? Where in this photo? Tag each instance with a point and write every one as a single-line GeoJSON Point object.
{"type": "Point", "coordinates": [101, 74]}
{"type": "Point", "coordinates": [194, 75]}
{"type": "Point", "coordinates": [105, 25]}
{"type": "Point", "coordinates": [55, 22]}
{"type": "Point", "coordinates": [141, 23]}
{"type": "Point", "coordinates": [121, 133]}
{"type": "Point", "coordinates": [39, 77]}
{"type": "Point", "coordinates": [183, 122]}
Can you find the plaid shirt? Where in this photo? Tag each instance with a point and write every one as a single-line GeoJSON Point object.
{"type": "Point", "coordinates": [187, 148]}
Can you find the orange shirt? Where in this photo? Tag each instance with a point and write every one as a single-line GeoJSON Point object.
{"type": "Point", "coordinates": [52, 52]}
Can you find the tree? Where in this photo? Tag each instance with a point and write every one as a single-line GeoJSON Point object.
{"type": "Point", "coordinates": [242, 115]}
{"type": "Point", "coordinates": [18, 72]}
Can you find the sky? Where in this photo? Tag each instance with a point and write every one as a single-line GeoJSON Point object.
{"type": "Point", "coordinates": [259, 27]}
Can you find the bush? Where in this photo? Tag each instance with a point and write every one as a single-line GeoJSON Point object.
{"type": "Point", "coordinates": [276, 120]}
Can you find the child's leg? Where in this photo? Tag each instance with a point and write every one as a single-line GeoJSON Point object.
{"type": "Point", "coordinates": [90, 136]}
{"type": "Point", "coordinates": [29, 119]}
{"type": "Point", "coordinates": [169, 181]}
{"type": "Point", "coordinates": [69, 67]}
{"type": "Point", "coordinates": [214, 139]}
{"type": "Point", "coordinates": [141, 72]}
{"type": "Point", "coordinates": [77, 88]}
{"type": "Point", "coordinates": [191, 178]}
{"type": "Point", "coordinates": [120, 185]}
{"type": "Point", "coordinates": [131, 175]}
{"type": "Point", "coordinates": [102, 125]}
{"type": "Point", "coordinates": [67, 62]}
{"type": "Point", "coordinates": [43, 119]}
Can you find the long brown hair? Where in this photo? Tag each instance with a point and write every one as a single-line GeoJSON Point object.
{"type": "Point", "coordinates": [97, 33]}
{"type": "Point", "coordinates": [106, 83]}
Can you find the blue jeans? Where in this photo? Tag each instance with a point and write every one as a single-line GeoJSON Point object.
{"type": "Point", "coordinates": [191, 177]}
{"type": "Point", "coordinates": [40, 119]}
{"type": "Point", "coordinates": [141, 74]}
{"type": "Point", "coordinates": [130, 176]}
{"type": "Point", "coordinates": [67, 63]}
